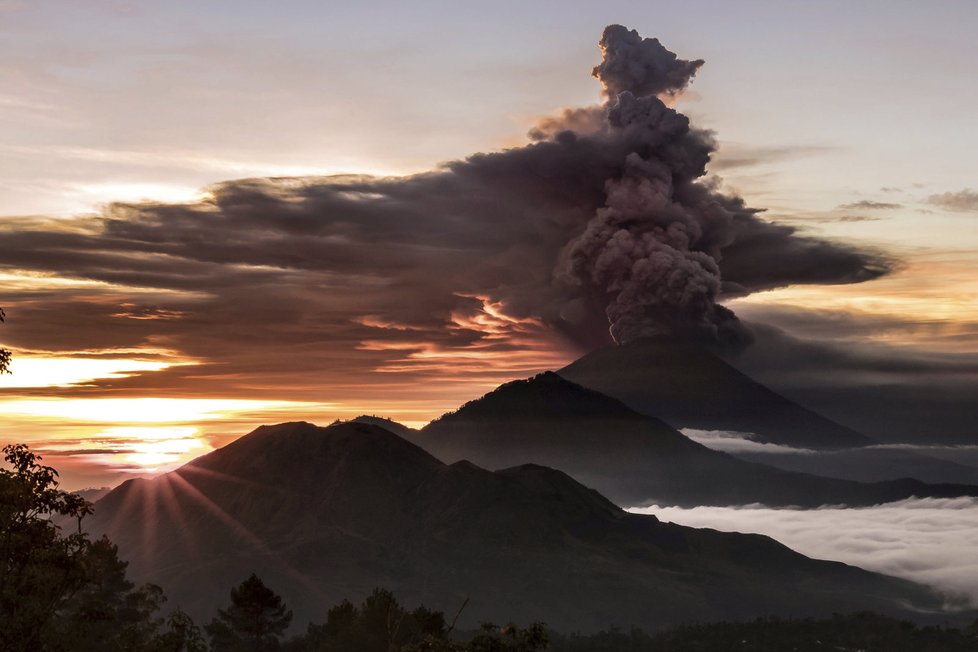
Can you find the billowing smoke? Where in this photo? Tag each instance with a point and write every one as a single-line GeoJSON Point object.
{"type": "Point", "coordinates": [653, 250]}
{"type": "Point", "coordinates": [641, 66]}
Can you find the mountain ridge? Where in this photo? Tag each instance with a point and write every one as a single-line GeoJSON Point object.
{"type": "Point", "coordinates": [633, 458]}
{"type": "Point", "coordinates": [364, 508]}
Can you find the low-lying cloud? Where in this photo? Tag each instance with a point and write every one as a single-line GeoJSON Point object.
{"type": "Point", "coordinates": [740, 442]}
{"type": "Point", "coordinates": [931, 541]}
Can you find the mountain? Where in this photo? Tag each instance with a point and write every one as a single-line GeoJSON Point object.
{"type": "Point", "coordinates": [687, 386]}
{"type": "Point", "coordinates": [323, 514]}
{"type": "Point", "coordinates": [633, 459]}
{"type": "Point", "coordinates": [389, 425]}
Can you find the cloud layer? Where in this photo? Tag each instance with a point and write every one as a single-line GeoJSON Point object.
{"type": "Point", "coordinates": [931, 541]}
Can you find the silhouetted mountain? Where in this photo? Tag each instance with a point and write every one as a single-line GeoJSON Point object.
{"type": "Point", "coordinates": [389, 425]}
{"type": "Point", "coordinates": [323, 514]}
{"type": "Point", "coordinates": [92, 494]}
{"type": "Point", "coordinates": [632, 458]}
{"type": "Point", "coordinates": [687, 386]}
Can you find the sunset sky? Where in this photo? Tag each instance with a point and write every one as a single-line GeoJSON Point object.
{"type": "Point", "coordinates": [163, 296]}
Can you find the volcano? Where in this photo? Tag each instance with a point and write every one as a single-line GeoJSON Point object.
{"type": "Point", "coordinates": [326, 514]}
{"type": "Point", "coordinates": [632, 458]}
{"type": "Point", "coordinates": [688, 386]}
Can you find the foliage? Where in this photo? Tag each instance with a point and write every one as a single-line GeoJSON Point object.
{"type": "Point", "coordinates": [510, 639]}
{"type": "Point", "coordinates": [380, 624]}
{"type": "Point", "coordinates": [65, 592]}
{"type": "Point", "coordinates": [107, 610]}
{"type": "Point", "coordinates": [863, 631]}
{"type": "Point", "coordinates": [4, 353]}
{"type": "Point", "coordinates": [255, 621]}
{"type": "Point", "coordinates": [40, 570]}
{"type": "Point", "coordinates": [181, 634]}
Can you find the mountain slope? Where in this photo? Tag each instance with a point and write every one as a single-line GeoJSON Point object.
{"type": "Point", "coordinates": [632, 458]}
{"type": "Point", "coordinates": [323, 514]}
{"type": "Point", "coordinates": [688, 387]}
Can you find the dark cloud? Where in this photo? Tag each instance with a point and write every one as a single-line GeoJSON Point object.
{"type": "Point", "coordinates": [869, 205]}
{"type": "Point", "coordinates": [767, 255]}
{"type": "Point", "coordinates": [838, 364]}
{"type": "Point", "coordinates": [641, 66]}
{"type": "Point", "coordinates": [964, 201]}
{"type": "Point", "coordinates": [732, 156]}
{"type": "Point", "coordinates": [604, 220]}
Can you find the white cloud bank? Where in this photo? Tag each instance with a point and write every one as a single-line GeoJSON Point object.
{"type": "Point", "coordinates": [932, 541]}
{"type": "Point", "coordinates": [740, 442]}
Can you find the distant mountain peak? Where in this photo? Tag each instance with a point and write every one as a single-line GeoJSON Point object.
{"type": "Point", "coordinates": [302, 454]}
{"type": "Point", "coordinates": [390, 425]}
{"type": "Point", "coordinates": [546, 395]}
{"type": "Point", "coordinates": [688, 386]}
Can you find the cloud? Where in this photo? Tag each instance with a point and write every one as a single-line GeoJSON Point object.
{"type": "Point", "coordinates": [843, 365]}
{"type": "Point", "coordinates": [868, 205]}
{"type": "Point", "coordinates": [964, 201]}
{"type": "Point", "coordinates": [931, 541]}
{"type": "Point", "coordinates": [740, 442]}
{"type": "Point", "coordinates": [731, 156]}
{"type": "Point", "coordinates": [641, 66]}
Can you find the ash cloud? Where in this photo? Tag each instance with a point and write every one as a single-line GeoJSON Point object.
{"type": "Point", "coordinates": [641, 66]}
{"type": "Point", "coordinates": [841, 365]}
{"type": "Point", "coordinates": [604, 225]}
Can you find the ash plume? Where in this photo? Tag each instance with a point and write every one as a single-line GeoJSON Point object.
{"type": "Point", "coordinates": [653, 251]}
{"type": "Point", "coordinates": [641, 66]}
{"type": "Point", "coordinates": [603, 225]}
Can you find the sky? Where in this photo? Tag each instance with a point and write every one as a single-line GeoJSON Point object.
{"type": "Point", "coordinates": [164, 296]}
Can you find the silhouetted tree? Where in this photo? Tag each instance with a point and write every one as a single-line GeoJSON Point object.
{"type": "Point", "coordinates": [65, 592]}
{"type": "Point", "coordinates": [255, 621]}
{"type": "Point", "coordinates": [380, 624]}
{"type": "Point", "coordinates": [4, 353]}
{"type": "Point", "coordinates": [107, 612]}
{"type": "Point", "coordinates": [509, 639]}
{"type": "Point", "coordinates": [39, 568]}
{"type": "Point", "coordinates": [181, 634]}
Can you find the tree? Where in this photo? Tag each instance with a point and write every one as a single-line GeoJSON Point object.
{"type": "Point", "coordinates": [255, 621]}
{"type": "Point", "coordinates": [509, 639]}
{"type": "Point", "coordinates": [181, 635]}
{"type": "Point", "coordinates": [107, 611]}
{"type": "Point", "coordinates": [4, 353]}
{"type": "Point", "coordinates": [380, 624]}
{"type": "Point", "coordinates": [39, 569]}
{"type": "Point", "coordinates": [66, 592]}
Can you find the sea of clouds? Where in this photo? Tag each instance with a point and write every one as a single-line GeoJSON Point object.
{"type": "Point", "coordinates": [930, 540]}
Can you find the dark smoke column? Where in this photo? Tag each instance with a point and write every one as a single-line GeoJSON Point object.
{"type": "Point", "coordinates": [652, 252]}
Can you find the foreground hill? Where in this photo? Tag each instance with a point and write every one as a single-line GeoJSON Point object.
{"type": "Point", "coordinates": [323, 514]}
{"type": "Point", "coordinates": [687, 386]}
{"type": "Point", "coordinates": [632, 458]}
